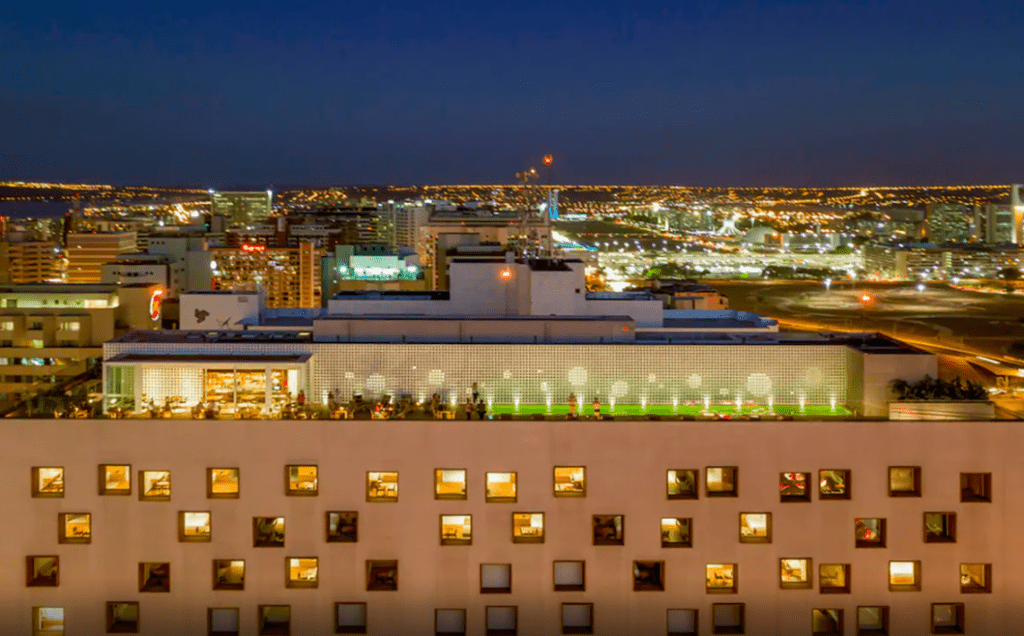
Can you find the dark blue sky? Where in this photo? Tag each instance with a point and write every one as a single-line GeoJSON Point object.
{"type": "Point", "coordinates": [726, 92]}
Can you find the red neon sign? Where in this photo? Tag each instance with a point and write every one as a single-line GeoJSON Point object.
{"type": "Point", "coordinates": [156, 302]}
{"type": "Point", "coordinates": [251, 248]}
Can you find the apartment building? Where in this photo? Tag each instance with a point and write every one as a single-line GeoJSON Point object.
{"type": "Point", "coordinates": [87, 253]}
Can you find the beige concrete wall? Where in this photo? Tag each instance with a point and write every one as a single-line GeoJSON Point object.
{"type": "Point", "coordinates": [880, 369]}
{"type": "Point", "coordinates": [626, 464]}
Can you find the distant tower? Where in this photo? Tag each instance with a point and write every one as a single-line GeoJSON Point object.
{"type": "Point", "coordinates": [1017, 209]}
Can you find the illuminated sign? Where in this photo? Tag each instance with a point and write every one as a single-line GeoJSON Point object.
{"type": "Point", "coordinates": [252, 248]}
{"type": "Point", "coordinates": [156, 302]}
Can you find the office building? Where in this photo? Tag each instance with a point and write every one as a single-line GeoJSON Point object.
{"type": "Point", "coordinates": [353, 267]}
{"type": "Point", "coordinates": [87, 253]}
{"type": "Point", "coordinates": [24, 262]}
{"type": "Point", "coordinates": [177, 263]}
{"type": "Point", "coordinates": [289, 275]}
{"type": "Point", "coordinates": [949, 223]}
{"type": "Point", "coordinates": [995, 224]}
{"type": "Point", "coordinates": [242, 208]}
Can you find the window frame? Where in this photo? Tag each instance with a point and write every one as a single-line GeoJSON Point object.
{"type": "Point", "coordinates": [948, 537]}
{"type": "Point", "coordinates": [839, 620]}
{"type": "Point", "coordinates": [883, 614]}
{"type": "Point", "coordinates": [337, 537]}
{"type": "Point", "coordinates": [976, 589]}
{"type": "Point", "coordinates": [867, 543]}
{"type": "Point", "coordinates": [291, 491]}
{"type": "Point", "coordinates": [30, 571]}
{"type": "Point", "coordinates": [529, 539]}
{"type": "Point", "coordinates": [209, 621]}
{"type": "Point", "coordinates": [695, 472]}
{"type": "Point", "coordinates": [804, 498]}
{"type": "Point", "coordinates": [619, 540]}
{"type": "Point", "coordinates": [658, 585]}
{"type": "Point", "coordinates": [62, 536]}
{"type": "Point", "coordinates": [729, 629]}
{"type": "Point", "coordinates": [915, 491]}
{"type": "Point", "coordinates": [294, 584]}
{"type": "Point", "coordinates": [186, 538]}
{"type": "Point", "coordinates": [261, 624]}
{"type": "Point", "coordinates": [463, 496]}
{"type": "Point", "coordinates": [37, 494]}
{"type": "Point", "coordinates": [905, 587]}
{"type": "Point", "coordinates": [35, 618]}
{"type": "Point", "coordinates": [448, 541]}
{"type": "Point", "coordinates": [351, 629]}
{"type": "Point", "coordinates": [798, 585]}
{"type": "Point", "coordinates": [588, 629]}
{"type": "Point", "coordinates": [576, 494]}
{"type": "Point", "coordinates": [961, 619]}
{"type": "Point", "coordinates": [734, 492]}
{"type": "Point", "coordinates": [234, 587]}
{"type": "Point", "coordinates": [496, 590]}
{"type": "Point", "coordinates": [565, 587]}
{"type": "Point", "coordinates": [257, 543]}
{"type": "Point", "coordinates": [377, 498]}
{"type": "Point", "coordinates": [465, 620]}
{"type": "Point", "coordinates": [221, 495]}
{"type": "Point", "coordinates": [495, 499]}
{"type": "Point", "coordinates": [680, 544]}
{"type": "Point", "coordinates": [144, 585]}
{"type": "Point", "coordinates": [696, 621]}
{"type": "Point", "coordinates": [142, 489]}
{"type": "Point", "coordinates": [112, 627]}
{"type": "Point", "coordinates": [104, 491]}
{"type": "Point", "coordinates": [835, 589]}
{"type": "Point", "coordinates": [847, 493]}
{"type": "Point", "coordinates": [768, 528]}
{"type": "Point", "coordinates": [382, 563]}
{"type": "Point", "coordinates": [969, 495]}
{"type": "Point", "coordinates": [733, 589]}
{"type": "Point", "coordinates": [489, 631]}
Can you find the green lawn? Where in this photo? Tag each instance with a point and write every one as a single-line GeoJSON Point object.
{"type": "Point", "coordinates": [666, 410]}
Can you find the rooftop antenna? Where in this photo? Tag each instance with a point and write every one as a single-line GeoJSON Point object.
{"type": "Point", "coordinates": [524, 177]}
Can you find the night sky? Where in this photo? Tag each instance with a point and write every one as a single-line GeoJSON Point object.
{"type": "Point", "coordinates": [688, 92]}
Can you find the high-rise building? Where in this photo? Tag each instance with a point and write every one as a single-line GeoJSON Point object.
{"type": "Point", "coordinates": [29, 262]}
{"type": "Point", "coordinates": [949, 223]}
{"type": "Point", "coordinates": [241, 208]}
{"type": "Point", "coordinates": [995, 224]}
{"type": "Point", "coordinates": [88, 252]}
{"type": "Point", "coordinates": [289, 275]}
{"type": "Point", "coordinates": [1017, 209]}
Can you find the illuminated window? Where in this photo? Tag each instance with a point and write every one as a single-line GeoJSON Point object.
{"type": "Point", "coordinates": [833, 484]}
{"type": "Point", "coordinates": [722, 481]}
{"type": "Point", "coordinates": [501, 487]}
{"type": "Point", "coordinates": [350, 618]}
{"type": "Point", "coordinates": [793, 487]}
{"type": "Point", "coordinates": [456, 529]}
{"type": "Point", "coordinates": [122, 617]}
{"type": "Point", "coordinates": [495, 578]}
{"type": "Point", "coordinates": [343, 527]}
{"type": "Point", "coordinates": [721, 578]}
{"type": "Point", "coordinates": [154, 485]}
{"type": "Point", "coordinates": [450, 621]}
{"type": "Point", "coordinates": [648, 576]}
{"type": "Point", "coordinates": [609, 529]}
{"type": "Point", "coordinates": [274, 620]}
{"type": "Point", "coordinates": [228, 574]}
{"type": "Point", "coordinates": [755, 527]}
{"type": "Point", "coordinates": [222, 483]}
{"type": "Point", "coordinates": [382, 576]}
{"type": "Point", "coordinates": [502, 620]}
{"type": "Point", "coordinates": [827, 622]}
{"type": "Point", "coordinates": [74, 527]}
{"type": "Point", "coordinates": [834, 578]}
{"type": "Point", "coordinates": [7, 325]}
{"type": "Point", "coordinates": [975, 487]}
{"type": "Point", "coordinates": [682, 483]}
{"type": "Point", "coordinates": [449, 484]}
{"type": "Point", "coordinates": [975, 578]}
{"type": "Point", "coordinates": [682, 622]}
{"type": "Point", "coordinates": [872, 620]}
{"type": "Point", "coordinates": [268, 532]}
{"type": "Point", "coordinates": [37, 344]}
{"type": "Point", "coordinates": [154, 577]}
{"type": "Point", "coordinates": [948, 618]}
{"type": "Point", "coordinates": [42, 571]}
{"type": "Point", "coordinates": [940, 527]}
{"type": "Point", "coordinates": [570, 481]}
{"type": "Point", "coordinates": [869, 533]}
{"type": "Point", "coordinates": [904, 481]}
{"type": "Point", "coordinates": [528, 527]}
{"type": "Point", "coordinates": [301, 480]}
{"type": "Point", "coordinates": [47, 621]}
{"type": "Point", "coordinates": [195, 527]}
{"type": "Point", "coordinates": [676, 532]}
{"type": "Point", "coordinates": [48, 481]}
{"type": "Point", "coordinates": [728, 618]}
{"type": "Point", "coordinates": [904, 576]}
{"type": "Point", "coordinates": [382, 486]}
{"type": "Point", "coordinates": [577, 618]}
{"type": "Point", "coordinates": [71, 325]}
{"type": "Point", "coordinates": [115, 479]}
{"type": "Point", "coordinates": [795, 574]}
{"type": "Point", "coordinates": [302, 572]}
{"type": "Point", "coordinates": [222, 621]}
{"type": "Point", "coordinates": [570, 576]}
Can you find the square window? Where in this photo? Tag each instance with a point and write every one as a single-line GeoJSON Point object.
{"type": "Point", "coordinates": [449, 484]}
{"type": "Point", "coordinates": [302, 572]}
{"type": "Point", "coordinates": [904, 481]}
{"type": "Point", "coordinates": [456, 529]}
{"type": "Point", "coordinates": [577, 618]}
{"type": "Point", "coordinates": [755, 527]}
{"type": "Point", "coordinates": [382, 486]}
{"type": "Point", "coordinates": [940, 527]}
{"type": "Point", "coordinates": [869, 533]}
{"type": "Point", "coordinates": [827, 622]}
{"type": "Point", "coordinates": [570, 576]}
{"type": "Point", "coordinates": [495, 578]}
{"type": "Point", "coordinates": [343, 527]}
{"type": "Point", "coordinates": [834, 578]}
{"type": "Point", "coordinates": [570, 481]}
{"type": "Point", "coordinates": [154, 485]}
{"type": "Point", "coordinates": [154, 577]}
{"type": "Point", "coordinates": [195, 527]}
{"type": "Point", "coordinates": [301, 480]}
{"type": "Point", "coordinates": [228, 574]}
{"type": "Point", "coordinates": [682, 622]}
{"type": "Point", "coordinates": [222, 621]}
{"type": "Point", "coordinates": [115, 479]}
{"type": "Point", "coordinates": [833, 484]}
{"type": "Point", "coordinates": [648, 576]}
{"type": "Point", "coordinates": [721, 578]}
{"type": "Point", "coordinates": [609, 529]}
{"type": "Point", "coordinates": [872, 620]}
{"type": "Point", "coordinates": [382, 576]}
{"type": "Point", "coordinates": [948, 618]}
{"type": "Point", "coordinates": [222, 483]}
{"type": "Point", "coordinates": [268, 532]}
{"type": "Point", "coordinates": [501, 488]}
{"type": "Point", "coordinates": [975, 487]}
{"type": "Point", "coordinates": [527, 527]}
{"type": "Point", "coordinates": [74, 527]}
{"type": "Point", "coordinates": [683, 483]}
{"type": "Point", "coordinates": [793, 487]}
{"type": "Point", "coordinates": [122, 617]}
{"type": "Point", "coordinates": [274, 620]}
{"type": "Point", "coordinates": [48, 481]}
{"type": "Point", "coordinates": [975, 578]}
{"type": "Point", "coordinates": [350, 618]}
{"type": "Point", "coordinates": [795, 574]}
{"type": "Point", "coordinates": [42, 571]}
{"type": "Point", "coordinates": [47, 621]}
{"type": "Point", "coordinates": [904, 576]}
{"type": "Point", "coordinates": [502, 620]}
{"type": "Point", "coordinates": [722, 481]}
{"type": "Point", "coordinates": [450, 621]}
{"type": "Point", "coordinates": [677, 532]}
{"type": "Point", "coordinates": [728, 618]}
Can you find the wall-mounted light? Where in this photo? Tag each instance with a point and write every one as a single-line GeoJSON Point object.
{"type": "Point", "coordinates": [505, 274]}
